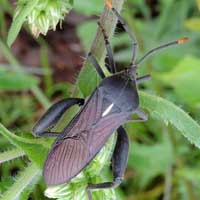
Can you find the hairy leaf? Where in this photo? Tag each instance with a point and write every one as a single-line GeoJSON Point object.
{"type": "Point", "coordinates": [16, 80]}
{"type": "Point", "coordinates": [166, 111]}
{"type": "Point", "coordinates": [35, 149]}
{"type": "Point", "coordinates": [184, 78]}
{"type": "Point", "coordinates": [26, 178]}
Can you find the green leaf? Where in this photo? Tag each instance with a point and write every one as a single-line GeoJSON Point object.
{"type": "Point", "coordinates": [189, 175]}
{"type": "Point", "coordinates": [198, 4]}
{"type": "Point", "coordinates": [192, 174]}
{"type": "Point", "coordinates": [10, 155]}
{"type": "Point", "coordinates": [166, 111]}
{"type": "Point", "coordinates": [89, 7]}
{"type": "Point", "coordinates": [193, 24]}
{"type": "Point", "coordinates": [140, 159]}
{"type": "Point", "coordinates": [184, 78]}
{"type": "Point", "coordinates": [91, 28]}
{"type": "Point", "coordinates": [35, 149]}
{"type": "Point", "coordinates": [88, 80]}
{"type": "Point", "coordinates": [19, 20]}
{"type": "Point", "coordinates": [16, 80]}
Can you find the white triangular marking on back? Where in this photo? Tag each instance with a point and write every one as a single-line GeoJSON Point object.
{"type": "Point", "coordinates": [107, 110]}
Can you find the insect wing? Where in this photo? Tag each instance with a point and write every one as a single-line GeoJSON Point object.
{"type": "Point", "coordinates": [65, 161]}
{"type": "Point", "coordinates": [88, 115]}
{"type": "Point", "coordinates": [103, 130]}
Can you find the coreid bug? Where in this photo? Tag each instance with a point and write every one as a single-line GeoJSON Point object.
{"type": "Point", "coordinates": [109, 107]}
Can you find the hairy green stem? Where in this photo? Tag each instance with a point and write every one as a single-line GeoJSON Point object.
{"type": "Point", "coordinates": [28, 176]}
{"type": "Point", "coordinates": [10, 155]}
{"type": "Point", "coordinates": [11, 137]}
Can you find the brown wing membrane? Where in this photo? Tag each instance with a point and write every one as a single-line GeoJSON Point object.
{"type": "Point", "coordinates": [102, 131]}
{"type": "Point", "coordinates": [65, 161]}
{"type": "Point", "coordinates": [88, 115]}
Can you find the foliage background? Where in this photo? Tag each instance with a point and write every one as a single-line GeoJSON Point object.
{"type": "Point", "coordinates": [162, 163]}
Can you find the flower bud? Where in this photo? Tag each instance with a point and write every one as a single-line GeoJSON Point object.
{"type": "Point", "coordinates": [45, 15]}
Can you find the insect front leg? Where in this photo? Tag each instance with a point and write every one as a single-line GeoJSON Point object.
{"type": "Point", "coordinates": [52, 115]}
{"type": "Point", "coordinates": [119, 163]}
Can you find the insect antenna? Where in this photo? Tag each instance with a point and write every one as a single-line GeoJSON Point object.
{"type": "Point", "coordinates": [152, 51]}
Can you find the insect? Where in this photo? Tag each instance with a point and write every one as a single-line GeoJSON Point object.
{"type": "Point", "coordinates": [110, 106]}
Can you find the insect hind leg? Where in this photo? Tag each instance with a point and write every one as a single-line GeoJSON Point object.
{"type": "Point", "coordinates": [119, 162]}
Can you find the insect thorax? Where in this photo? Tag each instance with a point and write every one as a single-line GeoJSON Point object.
{"type": "Point", "coordinates": [120, 91]}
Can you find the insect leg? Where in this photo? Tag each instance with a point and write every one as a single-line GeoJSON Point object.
{"type": "Point", "coordinates": [119, 162]}
{"type": "Point", "coordinates": [112, 66]}
{"type": "Point", "coordinates": [142, 116]}
{"type": "Point", "coordinates": [52, 115]}
{"type": "Point", "coordinates": [96, 65]}
{"type": "Point", "coordinates": [126, 27]}
{"type": "Point", "coordinates": [143, 78]}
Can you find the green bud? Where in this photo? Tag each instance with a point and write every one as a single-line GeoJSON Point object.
{"type": "Point", "coordinates": [45, 15]}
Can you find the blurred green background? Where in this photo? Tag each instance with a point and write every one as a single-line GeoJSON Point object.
{"type": "Point", "coordinates": [162, 163]}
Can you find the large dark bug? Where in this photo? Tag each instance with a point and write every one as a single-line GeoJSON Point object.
{"type": "Point", "coordinates": [109, 107]}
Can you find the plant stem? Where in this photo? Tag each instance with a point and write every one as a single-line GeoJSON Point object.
{"type": "Point", "coordinates": [28, 176]}
{"type": "Point", "coordinates": [10, 155]}
{"type": "Point", "coordinates": [168, 184]}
